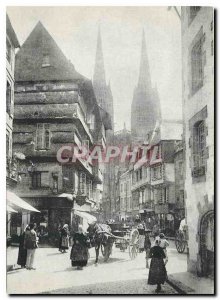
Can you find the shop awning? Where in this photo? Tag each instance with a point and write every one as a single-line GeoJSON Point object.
{"type": "Point", "coordinates": [13, 199]}
{"type": "Point", "coordinates": [10, 209]}
{"type": "Point", "coordinates": [85, 215]}
{"type": "Point", "coordinates": [67, 196]}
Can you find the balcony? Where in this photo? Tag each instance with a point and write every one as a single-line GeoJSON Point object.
{"type": "Point", "coordinates": [140, 183]}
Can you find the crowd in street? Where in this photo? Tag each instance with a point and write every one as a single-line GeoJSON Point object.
{"type": "Point", "coordinates": [81, 241]}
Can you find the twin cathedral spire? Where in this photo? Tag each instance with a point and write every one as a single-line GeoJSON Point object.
{"type": "Point", "coordinates": [145, 109]}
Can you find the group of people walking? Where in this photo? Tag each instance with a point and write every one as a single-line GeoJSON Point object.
{"type": "Point", "coordinates": [27, 247]}
{"type": "Point", "coordinates": [79, 254]}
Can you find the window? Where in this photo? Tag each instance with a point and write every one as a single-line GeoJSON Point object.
{"type": "Point", "coordinates": [68, 177]}
{"type": "Point", "coordinates": [36, 180]}
{"type": "Point", "coordinates": [197, 65]}
{"type": "Point", "coordinates": [193, 10]}
{"type": "Point", "coordinates": [199, 144]}
{"type": "Point", "coordinates": [157, 173]}
{"type": "Point", "coordinates": [46, 61]}
{"type": "Point", "coordinates": [8, 98]}
{"type": "Point", "coordinates": [8, 50]}
{"type": "Point", "coordinates": [43, 136]}
{"type": "Point", "coordinates": [181, 169]}
{"type": "Point", "coordinates": [82, 183]}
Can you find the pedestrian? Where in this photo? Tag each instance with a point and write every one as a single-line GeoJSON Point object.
{"type": "Point", "coordinates": [157, 272]}
{"type": "Point", "coordinates": [64, 239]}
{"type": "Point", "coordinates": [31, 244]}
{"type": "Point", "coordinates": [22, 252]}
{"type": "Point", "coordinates": [164, 244]}
{"type": "Point", "coordinates": [156, 230]}
{"type": "Point", "coordinates": [79, 252]}
{"type": "Point", "coordinates": [147, 246]}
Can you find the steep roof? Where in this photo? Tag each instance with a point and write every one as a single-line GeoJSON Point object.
{"type": "Point", "coordinates": [11, 33]}
{"type": "Point", "coordinates": [41, 59]}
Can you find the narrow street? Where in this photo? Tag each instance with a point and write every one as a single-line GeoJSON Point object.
{"type": "Point", "coordinates": [119, 275]}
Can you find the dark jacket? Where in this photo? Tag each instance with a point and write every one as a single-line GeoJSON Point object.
{"type": "Point", "coordinates": [30, 239]}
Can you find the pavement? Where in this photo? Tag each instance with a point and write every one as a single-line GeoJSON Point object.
{"type": "Point", "coordinates": [120, 275]}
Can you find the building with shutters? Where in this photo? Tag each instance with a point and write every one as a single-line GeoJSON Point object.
{"type": "Point", "coordinates": [55, 106]}
{"type": "Point", "coordinates": [198, 112]}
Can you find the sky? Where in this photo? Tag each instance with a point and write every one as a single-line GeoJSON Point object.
{"type": "Point", "coordinates": [75, 31]}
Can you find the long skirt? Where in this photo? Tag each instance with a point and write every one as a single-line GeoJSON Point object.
{"type": "Point", "coordinates": [157, 272]}
{"type": "Point", "coordinates": [64, 243]}
{"type": "Point", "coordinates": [22, 256]}
{"type": "Point", "coordinates": [79, 255]}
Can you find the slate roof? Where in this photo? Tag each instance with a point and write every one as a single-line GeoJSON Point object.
{"type": "Point", "coordinates": [11, 33]}
{"type": "Point", "coordinates": [31, 56]}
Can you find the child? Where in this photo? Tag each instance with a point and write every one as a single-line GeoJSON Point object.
{"type": "Point", "coordinates": [164, 244]}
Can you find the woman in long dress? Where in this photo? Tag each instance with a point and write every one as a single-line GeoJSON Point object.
{"type": "Point", "coordinates": [64, 239]}
{"type": "Point", "coordinates": [22, 252]}
{"type": "Point", "coordinates": [157, 272]}
{"type": "Point", "coordinates": [79, 253]}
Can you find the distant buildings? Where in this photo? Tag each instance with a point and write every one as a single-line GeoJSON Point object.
{"type": "Point", "coordinates": [198, 112]}
{"type": "Point", "coordinates": [145, 108]}
{"type": "Point", "coordinates": [105, 101]}
{"type": "Point", "coordinates": [54, 107]}
{"type": "Point", "coordinates": [153, 184]}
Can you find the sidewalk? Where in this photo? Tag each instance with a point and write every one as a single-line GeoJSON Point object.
{"type": "Point", "coordinates": [188, 283]}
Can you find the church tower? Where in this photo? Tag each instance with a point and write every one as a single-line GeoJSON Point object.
{"type": "Point", "coordinates": [102, 90]}
{"type": "Point", "coordinates": [145, 108]}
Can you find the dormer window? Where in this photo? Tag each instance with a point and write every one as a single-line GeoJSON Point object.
{"type": "Point", "coordinates": [46, 61]}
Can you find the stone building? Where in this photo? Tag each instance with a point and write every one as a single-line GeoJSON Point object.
{"type": "Point", "coordinates": [145, 108]}
{"type": "Point", "coordinates": [11, 45]}
{"type": "Point", "coordinates": [55, 107]}
{"type": "Point", "coordinates": [179, 167]}
{"type": "Point", "coordinates": [125, 198]}
{"type": "Point", "coordinates": [153, 183]}
{"type": "Point", "coordinates": [104, 98]}
{"type": "Point", "coordinates": [198, 112]}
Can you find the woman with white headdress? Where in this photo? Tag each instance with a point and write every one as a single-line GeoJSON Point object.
{"type": "Point", "coordinates": [157, 272]}
{"type": "Point", "coordinates": [64, 239]}
{"type": "Point", "coordinates": [79, 253]}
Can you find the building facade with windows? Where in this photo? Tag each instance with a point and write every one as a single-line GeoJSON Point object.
{"type": "Point", "coordinates": [198, 111]}
{"type": "Point", "coordinates": [11, 45]}
{"type": "Point", "coordinates": [55, 110]}
{"type": "Point", "coordinates": [125, 198]}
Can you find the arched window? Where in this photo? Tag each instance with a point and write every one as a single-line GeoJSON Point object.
{"type": "Point", "coordinates": [199, 144]}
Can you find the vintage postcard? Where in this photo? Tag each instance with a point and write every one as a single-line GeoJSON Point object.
{"type": "Point", "coordinates": [110, 150]}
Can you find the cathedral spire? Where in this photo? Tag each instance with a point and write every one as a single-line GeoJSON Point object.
{"type": "Point", "coordinates": [99, 72]}
{"type": "Point", "coordinates": [144, 80]}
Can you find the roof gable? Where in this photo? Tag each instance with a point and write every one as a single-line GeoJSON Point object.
{"type": "Point", "coordinates": [30, 60]}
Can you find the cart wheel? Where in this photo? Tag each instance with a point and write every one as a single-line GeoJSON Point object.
{"type": "Point", "coordinates": [133, 251]}
{"type": "Point", "coordinates": [180, 242]}
{"type": "Point", "coordinates": [133, 243]}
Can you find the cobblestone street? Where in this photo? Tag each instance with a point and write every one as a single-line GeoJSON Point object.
{"type": "Point", "coordinates": [119, 275]}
